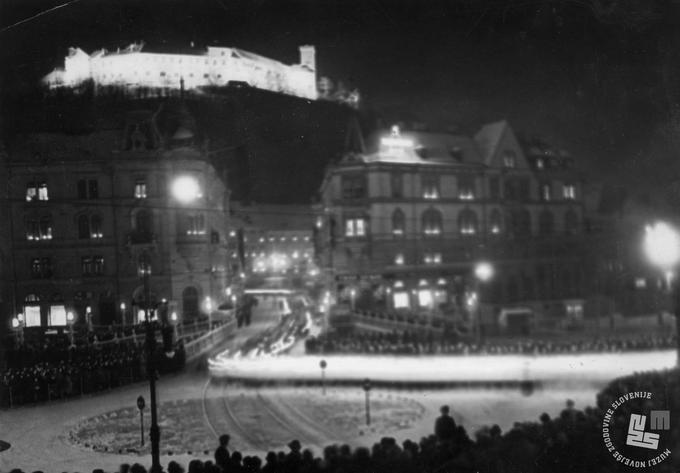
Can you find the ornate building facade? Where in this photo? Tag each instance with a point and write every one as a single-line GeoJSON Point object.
{"type": "Point", "coordinates": [91, 212]}
{"type": "Point", "coordinates": [409, 219]}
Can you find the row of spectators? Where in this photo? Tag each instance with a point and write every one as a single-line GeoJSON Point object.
{"type": "Point", "coordinates": [571, 442]}
{"type": "Point", "coordinates": [408, 343]}
{"type": "Point", "coordinates": [54, 370]}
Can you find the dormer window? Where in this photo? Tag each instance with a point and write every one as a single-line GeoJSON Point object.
{"type": "Point", "coordinates": [509, 159]}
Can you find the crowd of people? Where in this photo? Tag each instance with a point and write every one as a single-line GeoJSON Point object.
{"type": "Point", "coordinates": [570, 442]}
{"type": "Point", "coordinates": [408, 343]}
{"type": "Point", "coordinates": [52, 368]}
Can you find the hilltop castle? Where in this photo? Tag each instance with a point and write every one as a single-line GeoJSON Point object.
{"type": "Point", "coordinates": [138, 66]}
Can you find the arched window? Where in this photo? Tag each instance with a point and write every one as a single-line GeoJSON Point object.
{"type": "Point", "coordinates": [571, 222]}
{"type": "Point", "coordinates": [190, 302]}
{"type": "Point", "coordinates": [143, 221]}
{"type": "Point", "coordinates": [432, 222]}
{"type": "Point", "coordinates": [495, 222]}
{"type": "Point", "coordinates": [467, 222]}
{"type": "Point", "coordinates": [546, 223]}
{"type": "Point", "coordinates": [83, 227]}
{"type": "Point", "coordinates": [398, 222]}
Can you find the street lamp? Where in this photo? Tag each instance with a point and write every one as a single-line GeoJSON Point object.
{"type": "Point", "coordinates": [483, 273]}
{"type": "Point", "coordinates": [662, 246]}
{"type": "Point", "coordinates": [18, 327]}
{"type": "Point", "coordinates": [70, 319]}
{"type": "Point", "coordinates": [208, 308]}
{"type": "Point", "coordinates": [186, 189]}
{"type": "Point", "coordinates": [122, 313]}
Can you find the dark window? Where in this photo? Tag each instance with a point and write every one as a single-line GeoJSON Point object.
{"type": "Point", "coordinates": [398, 222]}
{"type": "Point", "coordinates": [82, 189]}
{"type": "Point", "coordinates": [214, 237]}
{"type": "Point", "coordinates": [546, 223]}
{"type": "Point", "coordinates": [524, 193]}
{"type": "Point", "coordinates": [190, 302]}
{"type": "Point", "coordinates": [83, 227]}
{"type": "Point", "coordinates": [41, 268]}
{"type": "Point", "coordinates": [354, 187]}
{"type": "Point", "coordinates": [494, 188]}
{"type": "Point", "coordinates": [495, 222]}
{"type": "Point", "coordinates": [86, 265]}
{"type": "Point", "coordinates": [397, 185]}
{"type": "Point", "coordinates": [98, 265]}
{"type": "Point", "coordinates": [571, 222]}
{"type": "Point", "coordinates": [143, 222]}
{"type": "Point", "coordinates": [510, 188]}
{"type": "Point", "coordinates": [32, 230]}
{"type": "Point", "coordinates": [93, 189]}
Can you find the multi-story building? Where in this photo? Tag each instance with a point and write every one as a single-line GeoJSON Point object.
{"type": "Point", "coordinates": [410, 218]}
{"type": "Point", "coordinates": [138, 67]}
{"type": "Point", "coordinates": [277, 242]}
{"type": "Point", "coordinates": [92, 212]}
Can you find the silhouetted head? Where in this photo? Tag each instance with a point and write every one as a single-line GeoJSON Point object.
{"type": "Point", "coordinates": [444, 410]}
{"type": "Point", "coordinates": [295, 446]}
{"type": "Point", "coordinates": [224, 440]}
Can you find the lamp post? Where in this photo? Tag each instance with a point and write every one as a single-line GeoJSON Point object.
{"type": "Point", "coordinates": [18, 327]}
{"type": "Point", "coordinates": [208, 308]}
{"type": "Point", "coordinates": [70, 320]}
{"type": "Point", "coordinates": [122, 313]}
{"type": "Point", "coordinates": [483, 273]}
{"type": "Point", "coordinates": [662, 247]}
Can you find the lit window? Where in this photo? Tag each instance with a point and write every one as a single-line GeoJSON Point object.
{"type": "Point", "coordinates": [495, 222]}
{"type": "Point", "coordinates": [569, 191]}
{"type": "Point", "coordinates": [640, 283]}
{"type": "Point", "coordinates": [432, 222]}
{"type": "Point", "coordinates": [42, 191]}
{"type": "Point", "coordinates": [196, 225]}
{"type": "Point", "coordinates": [399, 259]}
{"type": "Point", "coordinates": [509, 159]}
{"type": "Point", "coordinates": [45, 228]}
{"type": "Point", "coordinates": [467, 222]}
{"type": "Point", "coordinates": [398, 220]}
{"type": "Point", "coordinates": [401, 300]}
{"type": "Point", "coordinates": [432, 258]}
{"type": "Point", "coordinates": [430, 186]}
{"type": "Point", "coordinates": [539, 163]}
{"type": "Point", "coordinates": [96, 227]}
{"type": "Point", "coordinates": [261, 240]}
{"type": "Point", "coordinates": [355, 227]}
{"type": "Point", "coordinates": [425, 298]}
{"type": "Point", "coordinates": [140, 189]}
{"type": "Point", "coordinates": [546, 192]}
{"type": "Point", "coordinates": [466, 187]}
{"type": "Point", "coordinates": [32, 230]}
{"type": "Point", "coordinates": [31, 191]}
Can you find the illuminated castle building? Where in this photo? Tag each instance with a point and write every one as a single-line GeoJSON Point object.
{"type": "Point", "coordinates": [137, 67]}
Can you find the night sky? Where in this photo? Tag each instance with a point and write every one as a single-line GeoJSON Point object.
{"type": "Point", "coordinates": [598, 77]}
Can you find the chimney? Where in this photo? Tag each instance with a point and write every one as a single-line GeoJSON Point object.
{"type": "Point", "coordinates": [308, 57]}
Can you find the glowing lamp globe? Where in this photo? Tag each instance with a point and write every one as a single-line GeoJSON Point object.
{"type": "Point", "coordinates": [662, 245]}
{"type": "Point", "coordinates": [185, 189]}
{"type": "Point", "coordinates": [15, 323]}
{"type": "Point", "coordinates": [69, 316]}
{"type": "Point", "coordinates": [484, 271]}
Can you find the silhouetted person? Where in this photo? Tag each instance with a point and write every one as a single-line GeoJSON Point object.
{"type": "Point", "coordinates": [222, 453]}
{"type": "Point", "coordinates": [444, 426]}
{"type": "Point", "coordinates": [174, 467]}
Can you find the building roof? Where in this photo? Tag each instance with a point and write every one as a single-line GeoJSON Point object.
{"type": "Point", "coordinates": [488, 137]}
{"type": "Point", "coordinates": [421, 147]}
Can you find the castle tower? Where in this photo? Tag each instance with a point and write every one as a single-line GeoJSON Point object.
{"type": "Point", "coordinates": [308, 57]}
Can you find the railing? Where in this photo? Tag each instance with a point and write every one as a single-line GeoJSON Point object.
{"type": "Point", "coordinates": [203, 344]}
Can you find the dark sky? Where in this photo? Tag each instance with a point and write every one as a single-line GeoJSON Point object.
{"type": "Point", "coordinates": [598, 77]}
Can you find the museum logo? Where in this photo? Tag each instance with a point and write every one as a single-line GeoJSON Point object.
{"type": "Point", "coordinates": [643, 440]}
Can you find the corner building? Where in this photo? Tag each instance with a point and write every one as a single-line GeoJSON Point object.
{"type": "Point", "coordinates": [408, 221]}
{"type": "Point", "coordinates": [90, 210]}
